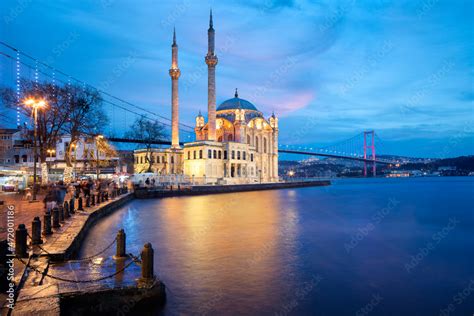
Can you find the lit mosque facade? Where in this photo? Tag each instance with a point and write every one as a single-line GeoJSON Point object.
{"type": "Point", "coordinates": [236, 145]}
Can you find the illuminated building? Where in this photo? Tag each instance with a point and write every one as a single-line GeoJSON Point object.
{"type": "Point", "coordinates": [237, 144]}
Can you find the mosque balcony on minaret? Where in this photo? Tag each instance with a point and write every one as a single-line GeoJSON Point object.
{"type": "Point", "coordinates": [175, 73]}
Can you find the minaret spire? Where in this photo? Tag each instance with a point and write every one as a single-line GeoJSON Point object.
{"type": "Point", "coordinates": [174, 74]}
{"type": "Point", "coordinates": [211, 61]}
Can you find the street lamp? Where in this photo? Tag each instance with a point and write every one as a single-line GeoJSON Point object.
{"type": "Point", "coordinates": [97, 154]}
{"type": "Point", "coordinates": [35, 105]}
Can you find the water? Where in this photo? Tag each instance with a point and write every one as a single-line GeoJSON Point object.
{"type": "Point", "coordinates": [360, 246]}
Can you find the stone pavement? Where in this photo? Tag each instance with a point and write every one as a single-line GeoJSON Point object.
{"type": "Point", "coordinates": [24, 211]}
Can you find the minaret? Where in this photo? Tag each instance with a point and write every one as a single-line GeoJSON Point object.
{"type": "Point", "coordinates": [174, 74]}
{"type": "Point", "coordinates": [211, 61]}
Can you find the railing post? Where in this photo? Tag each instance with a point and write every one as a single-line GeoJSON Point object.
{"type": "Point", "coordinates": [36, 231]}
{"type": "Point", "coordinates": [61, 213]}
{"type": "Point", "coordinates": [71, 206]}
{"type": "Point", "coordinates": [147, 263]}
{"type": "Point", "coordinates": [79, 207]}
{"type": "Point", "coordinates": [47, 224]}
{"type": "Point", "coordinates": [121, 244]}
{"type": "Point", "coordinates": [66, 210]}
{"type": "Point", "coordinates": [56, 218]}
{"type": "Point", "coordinates": [20, 241]}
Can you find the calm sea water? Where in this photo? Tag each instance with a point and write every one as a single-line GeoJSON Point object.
{"type": "Point", "coordinates": [358, 247]}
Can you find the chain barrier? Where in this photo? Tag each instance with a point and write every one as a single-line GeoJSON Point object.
{"type": "Point", "coordinates": [44, 273]}
{"type": "Point", "coordinates": [97, 254]}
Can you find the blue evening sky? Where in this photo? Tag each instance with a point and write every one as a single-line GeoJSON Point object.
{"type": "Point", "coordinates": [329, 69]}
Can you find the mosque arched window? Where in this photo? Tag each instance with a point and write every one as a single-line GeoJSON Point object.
{"type": "Point", "coordinates": [209, 154]}
{"type": "Point", "coordinates": [229, 137]}
{"type": "Point", "coordinates": [189, 155]}
{"type": "Point", "coordinates": [244, 154]}
{"type": "Point", "coordinates": [256, 143]}
{"type": "Point", "coordinates": [264, 145]}
{"type": "Point", "coordinates": [219, 139]}
{"type": "Point", "coordinates": [200, 154]}
{"type": "Point", "coordinates": [214, 154]}
{"type": "Point", "coordinates": [248, 139]}
{"type": "Point", "coordinates": [194, 154]}
{"type": "Point", "coordinates": [172, 159]}
{"type": "Point", "coordinates": [220, 154]}
{"type": "Point", "coordinates": [225, 154]}
{"type": "Point", "coordinates": [238, 155]}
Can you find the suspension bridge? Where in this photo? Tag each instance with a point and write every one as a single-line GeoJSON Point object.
{"type": "Point", "coordinates": [17, 66]}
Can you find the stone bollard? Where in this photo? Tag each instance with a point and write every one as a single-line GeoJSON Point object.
{"type": "Point", "coordinates": [61, 213]}
{"type": "Point", "coordinates": [88, 201]}
{"type": "Point", "coordinates": [121, 244]}
{"type": "Point", "coordinates": [66, 210]}
{"type": "Point", "coordinates": [71, 206]}
{"type": "Point", "coordinates": [47, 224]}
{"type": "Point", "coordinates": [36, 231]}
{"type": "Point", "coordinates": [56, 218]}
{"type": "Point", "coordinates": [147, 263]}
{"type": "Point", "coordinates": [79, 202]}
{"type": "Point", "coordinates": [21, 249]}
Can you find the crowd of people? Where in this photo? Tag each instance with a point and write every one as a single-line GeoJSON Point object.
{"type": "Point", "coordinates": [58, 193]}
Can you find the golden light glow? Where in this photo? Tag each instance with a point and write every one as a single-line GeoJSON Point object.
{"type": "Point", "coordinates": [291, 173]}
{"type": "Point", "coordinates": [41, 103]}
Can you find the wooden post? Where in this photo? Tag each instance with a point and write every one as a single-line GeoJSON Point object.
{"type": "Point", "coordinates": [20, 241]}
{"type": "Point", "coordinates": [121, 244]}
{"type": "Point", "coordinates": [66, 210]}
{"type": "Point", "coordinates": [36, 231]}
{"type": "Point", "coordinates": [56, 218]}
{"type": "Point", "coordinates": [147, 262]}
{"type": "Point", "coordinates": [47, 224]}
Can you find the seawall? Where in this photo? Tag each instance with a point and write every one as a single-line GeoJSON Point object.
{"type": "Point", "coordinates": [144, 193]}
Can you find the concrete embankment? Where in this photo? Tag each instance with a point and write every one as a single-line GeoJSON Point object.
{"type": "Point", "coordinates": [215, 189]}
{"type": "Point", "coordinates": [100, 284]}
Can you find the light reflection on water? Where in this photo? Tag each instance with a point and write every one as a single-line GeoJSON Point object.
{"type": "Point", "coordinates": [283, 251]}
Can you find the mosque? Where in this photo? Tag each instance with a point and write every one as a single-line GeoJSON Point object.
{"type": "Point", "coordinates": [236, 145]}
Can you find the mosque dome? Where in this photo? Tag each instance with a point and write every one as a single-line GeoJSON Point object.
{"type": "Point", "coordinates": [236, 103]}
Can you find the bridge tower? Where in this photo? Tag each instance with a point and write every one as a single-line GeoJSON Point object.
{"type": "Point", "coordinates": [371, 137]}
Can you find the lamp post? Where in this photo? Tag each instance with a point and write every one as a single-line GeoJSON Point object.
{"type": "Point", "coordinates": [35, 105]}
{"type": "Point", "coordinates": [97, 155]}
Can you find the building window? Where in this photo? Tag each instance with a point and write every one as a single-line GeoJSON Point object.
{"type": "Point", "coordinates": [141, 159]}
{"type": "Point", "coordinates": [238, 155]}
{"type": "Point", "coordinates": [229, 138]}
{"type": "Point", "coordinates": [17, 158]}
{"type": "Point", "coordinates": [265, 145]}
{"type": "Point", "coordinates": [200, 154]}
{"type": "Point", "coordinates": [251, 157]}
{"type": "Point", "coordinates": [209, 154]}
{"type": "Point", "coordinates": [194, 154]}
{"type": "Point", "coordinates": [225, 154]}
{"type": "Point", "coordinates": [189, 155]}
{"type": "Point", "coordinates": [248, 139]}
{"type": "Point", "coordinates": [172, 159]}
{"type": "Point", "coordinates": [215, 154]}
{"type": "Point", "coordinates": [233, 154]}
{"type": "Point", "coordinates": [244, 155]}
{"type": "Point", "coordinates": [163, 159]}
{"type": "Point", "coordinates": [256, 143]}
{"type": "Point", "coordinates": [219, 139]}
{"type": "Point", "coordinates": [220, 154]}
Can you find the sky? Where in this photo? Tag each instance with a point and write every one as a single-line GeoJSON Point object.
{"type": "Point", "coordinates": [328, 69]}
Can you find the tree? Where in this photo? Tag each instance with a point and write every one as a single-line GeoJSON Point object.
{"type": "Point", "coordinates": [50, 121]}
{"type": "Point", "coordinates": [146, 131]}
{"type": "Point", "coordinates": [71, 109]}
{"type": "Point", "coordinates": [85, 117]}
